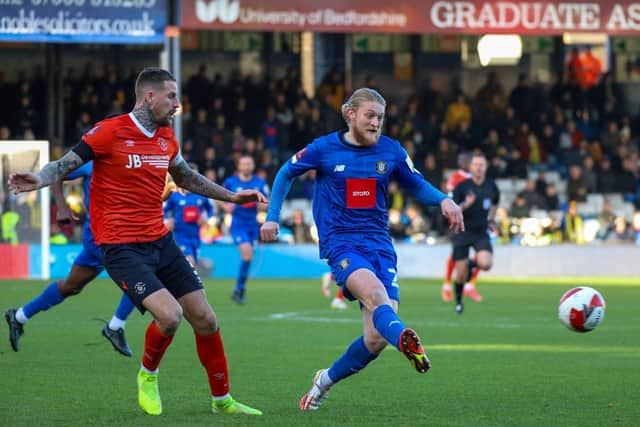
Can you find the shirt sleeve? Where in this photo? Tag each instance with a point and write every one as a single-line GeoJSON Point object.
{"type": "Point", "coordinates": [302, 161]}
{"type": "Point", "coordinates": [496, 198]}
{"type": "Point", "coordinates": [98, 138]}
{"type": "Point", "coordinates": [411, 179]}
{"type": "Point", "coordinates": [84, 151]}
{"type": "Point", "coordinates": [458, 195]}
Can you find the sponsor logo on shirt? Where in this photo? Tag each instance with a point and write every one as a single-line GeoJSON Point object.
{"type": "Point", "coordinates": [339, 168]}
{"type": "Point", "coordinates": [361, 193]}
{"type": "Point", "coordinates": [138, 160]}
{"type": "Point", "coordinates": [129, 143]}
{"type": "Point", "coordinates": [93, 130]}
{"type": "Point", "coordinates": [300, 154]}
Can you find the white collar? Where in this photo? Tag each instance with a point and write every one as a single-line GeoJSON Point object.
{"type": "Point", "coordinates": [142, 128]}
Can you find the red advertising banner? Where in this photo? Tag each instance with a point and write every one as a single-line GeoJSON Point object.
{"type": "Point", "coordinates": [416, 17]}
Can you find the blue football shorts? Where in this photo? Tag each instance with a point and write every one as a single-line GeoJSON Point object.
{"type": "Point", "coordinates": [382, 263]}
{"type": "Point", "coordinates": [243, 234]}
{"type": "Point", "coordinates": [91, 256]}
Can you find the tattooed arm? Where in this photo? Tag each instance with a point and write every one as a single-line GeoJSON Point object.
{"type": "Point", "coordinates": [50, 173]}
{"type": "Point", "coordinates": [190, 180]}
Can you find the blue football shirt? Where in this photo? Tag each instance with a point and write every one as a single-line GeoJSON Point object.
{"type": "Point", "coordinates": [186, 209]}
{"type": "Point", "coordinates": [350, 195]}
{"type": "Point", "coordinates": [245, 215]}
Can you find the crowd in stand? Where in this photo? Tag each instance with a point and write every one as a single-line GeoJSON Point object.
{"type": "Point", "coordinates": [577, 129]}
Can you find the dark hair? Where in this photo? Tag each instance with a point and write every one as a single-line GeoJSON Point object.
{"type": "Point", "coordinates": [154, 77]}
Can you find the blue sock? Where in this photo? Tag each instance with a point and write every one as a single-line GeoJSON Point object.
{"type": "Point", "coordinates": [352, 361]}
{"type": "Point", "coordinates": [124, 308]}
{"type": "Point", "coordinates": [48, 298]}
{"type": "Point", "coordinates": [388, 324]}
{"type": "Point", "coordinates": [242, 275]}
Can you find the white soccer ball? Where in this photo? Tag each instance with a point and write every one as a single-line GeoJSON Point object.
{"type": "Point", "coordinates": [581, 309]}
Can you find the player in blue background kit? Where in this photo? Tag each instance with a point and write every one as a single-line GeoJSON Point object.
{"type": "Point", "coordinates": [184, 213]}
{"type": "Point", "coordinates": [244, 221]}
{"type": "Point", "coordinates": [350, 210]}
{"type": "Point", "coordinates": [86, 267]}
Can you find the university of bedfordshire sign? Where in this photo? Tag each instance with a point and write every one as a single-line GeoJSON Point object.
{"type": "Point", "coordinates": [407, 16]}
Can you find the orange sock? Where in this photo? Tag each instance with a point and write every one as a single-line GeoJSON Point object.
{"type": "Point", "coordinates": [155, 344]}
{"type": "Point", "coordinates": [211, 354]}
{"type": "Point", "coordinates": [450, 266]}
{"type": "Point", "coordinates": [340, 294]}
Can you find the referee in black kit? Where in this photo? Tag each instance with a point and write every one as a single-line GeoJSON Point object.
{"type": "Point", "coordinates": [478, 197]}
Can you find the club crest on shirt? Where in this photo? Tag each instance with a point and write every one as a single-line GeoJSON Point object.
{"type": "Point", "coordinates": [344, 263]}
{"type": "Point", "coordinates": [162, 143]}
{"type": "Point", "coordinates": [381, 167]}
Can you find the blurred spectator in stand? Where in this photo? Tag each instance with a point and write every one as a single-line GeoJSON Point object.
{"type": "Point", "coordinates": [573, 225]}
{"type": "Point", "coordinates": [430, 170]}
{"type": "Point", "coordinates": [576, 187]}
{"type": "Point", "coordinates": [516, 166]}
{"type": "Point", "coordinates": [627, 182]}
{"type": "Point", "coordinates": [519, 208]}
{"type": "Point", "coordinates": [491, 144]}
{"type": "Point", "coordinates": [533, 199]}
{"type": "Point", "coordinates": [198, 88]}
{"type": "Point", "coordinates": [607, 178]}
{"type": "Point", "coordinates": [397, 229]}
{"type": "Point", "coordinates": [589, 176]}
{"type": "Point", "coordinates": [299, 228]}
{"type": "Point", "coordinates": [417, 227]}
{"type": "Point", "coordinates": [395, 197]}
{"type": "Point", "coordinates": [551, 197]}
{"type": "Point", "coordinates": [606, 220]}
{"type": "Point", "coordinates": [458, 113]}
{"type": "Point", "coordinates": [521, 99]}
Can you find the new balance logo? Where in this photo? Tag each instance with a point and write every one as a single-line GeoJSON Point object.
{"type": "Point", "coordinates": [339, 168]}
{"type": "Point", "coordinates": [224, 10]}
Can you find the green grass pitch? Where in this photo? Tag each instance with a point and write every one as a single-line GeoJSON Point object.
{"type": "Point", "coordinates": [506, 361]}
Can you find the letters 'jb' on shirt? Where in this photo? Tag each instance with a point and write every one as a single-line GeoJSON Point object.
{"type": "Point", "coordinates": [129, 171]}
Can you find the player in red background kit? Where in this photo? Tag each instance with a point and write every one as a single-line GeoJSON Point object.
{"type": "Point", "coordinates": [462, 174]}
{"type": "Point", "coordinates": [132, 154]}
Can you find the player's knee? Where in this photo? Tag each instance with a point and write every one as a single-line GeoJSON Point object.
{"type": "Point", "coordinates": [169, 321]}
{"type": "Point", "coordinates": [68, 288]}
{"type": "Point", "coordinates": [485, 264]}
{"type": "Point", "coordinates": [204, 322]}
{"type": "Point", "coordinates": [374, 343]}
{"type": "Point", "coordinates": [378, 297]}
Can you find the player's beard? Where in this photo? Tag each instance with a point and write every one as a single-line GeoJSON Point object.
{"type": "Point", "coordinates": [164, 120]}
{"type": "Point", "coordinates": [365, 137]}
